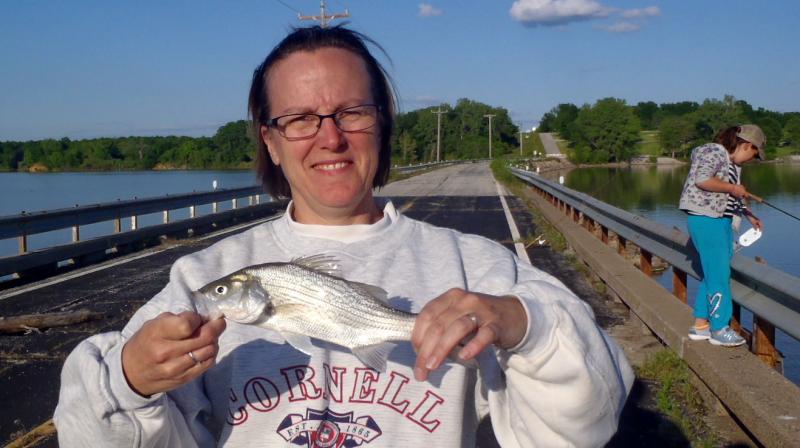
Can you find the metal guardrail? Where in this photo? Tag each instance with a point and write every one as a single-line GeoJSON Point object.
{"type": "Point", "coordinates": [773, 296]}
{"type": "Point", "coordinates": [25, 224]}
{"type": "Point", "coordinates": [412, 168]}
{"type": "Point", "coordinates": [48, 259]}
{"type": "Point", "coordinates": [43, 221]}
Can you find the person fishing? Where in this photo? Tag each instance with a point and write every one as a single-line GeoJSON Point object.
{"type": "Point", "coordinates": [713, 198]}
{"type": "Point", "coordinates": [323, 109]}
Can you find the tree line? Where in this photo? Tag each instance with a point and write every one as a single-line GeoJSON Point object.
{"type": "Point", "coordinates": [231, 147]}
{"type": "Point", "coordinates": [606, 131]}
{"type": "Point", "coordinates": [609, 130]}
{"type": "Point", "coordinates": [464, 134]}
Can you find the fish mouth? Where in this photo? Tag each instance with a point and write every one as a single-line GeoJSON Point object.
{"type": "Point", "coordinates": [205, 307]}
{"type": "Point", "coordinates": [247, 307]}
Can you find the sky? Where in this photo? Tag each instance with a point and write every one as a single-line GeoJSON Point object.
{"type": "Point", "coordinates": [90, 68]}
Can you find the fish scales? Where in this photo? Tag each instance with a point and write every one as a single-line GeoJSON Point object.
{"type": "Point", "coordinates": [341, 315]}
{"type": "Point", "coordinates": [306, 298]}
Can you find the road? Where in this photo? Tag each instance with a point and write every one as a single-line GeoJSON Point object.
{"type": "Point", "coordinates": [550, 146]}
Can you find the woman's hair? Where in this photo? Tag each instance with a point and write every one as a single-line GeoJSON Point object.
{"type": "Point", "coordinates": [729, 139]}
{"type": "Point", "coordinates": [311, 39]}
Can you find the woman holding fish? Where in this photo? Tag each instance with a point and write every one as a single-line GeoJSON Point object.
{"type": "Point", "coordinates": [343, 319]}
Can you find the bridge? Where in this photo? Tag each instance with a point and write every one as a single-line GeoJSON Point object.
{"type": "Point", "coordinates": [462, 196]}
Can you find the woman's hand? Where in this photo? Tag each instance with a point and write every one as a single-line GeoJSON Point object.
{"type": "Point", "coordinates": [449, 318]}
{"type": "Point", "coordinates": [170, 351]}
{"type": "Point", "coordinates": [738, 191]}
{"type": "Point", "coordinates": [755, 222]}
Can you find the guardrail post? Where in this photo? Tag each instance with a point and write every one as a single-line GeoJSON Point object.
{"type": "Point", "coordinates": [118, 225]}
{"type": "Point", "coordinates": [214, 207]}
{"type": "Point", "coordinates": [23, 244]}
{"type": "Point", "coordinates": [764, 341]}
{"type": "Point", "coordinates": [250, 200]}
{"type": "Point", "coordinates": [192, 211]}
{"type": "Point", "coordinates": [679, 279]}
{"type": "Point", "coordinates": [134, 222]}
{"type": "Point", "coordinates": [258, 199]}
{"type": "Point", "coordinates": [646, 262]}
{"type": "Point", "coordinates": [76, 233]}
{"type": "Point", "coordinates": [736, 317]}
{"type": "Point", "coordinates": [588, 223]}
{"type": "Point", "coordinates": [234, 203]}
{"type": "Point", "coordinates": [621, 245]}
{"type": "Point", "coordinates": [604, 234]}
{"type": "Point", "coordinates": [166, 217]}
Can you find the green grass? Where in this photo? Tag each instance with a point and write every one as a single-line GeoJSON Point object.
{"type": "Point", "coordinates": [649, 145]}
{"type": "Point", "coordinates": [531, 144]}
{"type": "Point", "coordinates": [517, 187]}
{"type": "Point", "coordinates": [677, 397]}
{"type": "Point", "coordinates": [786, 151]}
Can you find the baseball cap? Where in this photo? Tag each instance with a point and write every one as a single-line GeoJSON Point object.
{"type": "Point", "coordinates": [753, 134]}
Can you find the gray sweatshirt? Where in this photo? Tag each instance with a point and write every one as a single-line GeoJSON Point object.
{"type": "Point", "coordinates": [564, 385]}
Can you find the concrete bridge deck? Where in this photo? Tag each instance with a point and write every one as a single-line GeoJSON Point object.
{"type": "Point", "coordinates": [464, 197]}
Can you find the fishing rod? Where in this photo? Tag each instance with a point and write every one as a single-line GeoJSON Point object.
{"type": "Point", "coordinates": [762, 201]}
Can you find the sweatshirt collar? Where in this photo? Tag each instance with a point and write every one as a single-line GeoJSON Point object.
{"type": "Point", "coordinates": [343, 234]}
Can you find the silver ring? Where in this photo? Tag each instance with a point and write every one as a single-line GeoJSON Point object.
{"type": "Point", "coordinates": [474, 319]}
{"type": "Point", "coordinates": [191, 355]}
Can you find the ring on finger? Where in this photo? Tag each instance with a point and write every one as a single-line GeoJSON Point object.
{"type": "Point", "coordinates": [191, 355]}
{"type": "Point", "coordinates": [474, 319]}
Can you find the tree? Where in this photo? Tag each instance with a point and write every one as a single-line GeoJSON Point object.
{"type": "Point", "coordinates": [233, 144]}
{"type": "Point", "coordinates": [609, 129]}
{"type": "Point", "coordinates": [772, 130]}
{"type": "Point", "coordinates": [646, 111]}
{"type": "Point", "coordinates": [715, 115]}
{"type": "Point", "coordinates": [791, 131]}
{"type": "Point", "coordinates": [560, 119]}
{"type": "Point", "coordinates": [675, 133]}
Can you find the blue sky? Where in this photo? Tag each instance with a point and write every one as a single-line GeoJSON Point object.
{"type": "Point", "coordinates": [91, 68]}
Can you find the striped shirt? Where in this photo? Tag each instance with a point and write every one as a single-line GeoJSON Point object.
{"type": "Point", "coordinates": [735, 205]}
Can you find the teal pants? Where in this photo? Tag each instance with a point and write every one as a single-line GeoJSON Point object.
{"type": "Point", "coordinates": [713, 239]}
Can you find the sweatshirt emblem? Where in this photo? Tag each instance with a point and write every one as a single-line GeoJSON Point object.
{"type": "Point", "coordinates": [328, 429]}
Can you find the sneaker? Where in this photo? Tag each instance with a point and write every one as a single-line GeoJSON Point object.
{"type": "Point", "coordinates": [726, 337]}
{"type": "Point", "coordinates": [699, 334]}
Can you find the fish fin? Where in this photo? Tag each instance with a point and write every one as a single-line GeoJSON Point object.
{"type": "Point", "coordinates": [374, 356]}
{"type": "Point", "coordinates": [377, 292]}
{"type": "Point", "coordinates": [320, 262]}
{"type": "Point", "coordinates": [299, 341]}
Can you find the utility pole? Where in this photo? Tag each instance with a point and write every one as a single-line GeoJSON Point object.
{"type": "Point", "coordinates": [490, 116]}
{"type": "Point", "coordinates": [323, 18]}
{"type": "Point", "coordinates": [520, 139]}
{"type": "Point", "coordinates": [438, 113]}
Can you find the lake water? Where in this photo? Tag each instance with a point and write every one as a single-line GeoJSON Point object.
{"type": "Point", "coordinates": [653, 192]}
{"type": "Point", "coordinates": [48, 191]}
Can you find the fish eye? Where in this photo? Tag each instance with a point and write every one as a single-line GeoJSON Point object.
{"type": "Point", "coordinates": [221, 289]}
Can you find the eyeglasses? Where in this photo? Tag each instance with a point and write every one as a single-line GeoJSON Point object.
{"type": "Point", "coordinates": [305, 126]}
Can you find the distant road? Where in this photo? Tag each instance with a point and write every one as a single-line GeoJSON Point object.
{"type": "Point", "coordinates": [550, 146]}
{"type": "Point", "coordinates": [463, 179]}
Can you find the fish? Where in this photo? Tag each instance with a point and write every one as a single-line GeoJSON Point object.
{"type": "Point", "coordinates": [308, 298]}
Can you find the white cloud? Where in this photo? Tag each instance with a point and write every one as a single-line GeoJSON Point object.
{"type": "Point", "coordinates": [620, 27]}
{"type": "Point", "coordinates": [426, 10]}
{"type": "Point", "coordinates": [557, 12]}
{"type": "Point", "coordinates": [650, 11]}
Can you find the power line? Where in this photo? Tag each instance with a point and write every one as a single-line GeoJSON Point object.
{"type": "Point", "coordinates": [284, 4]}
